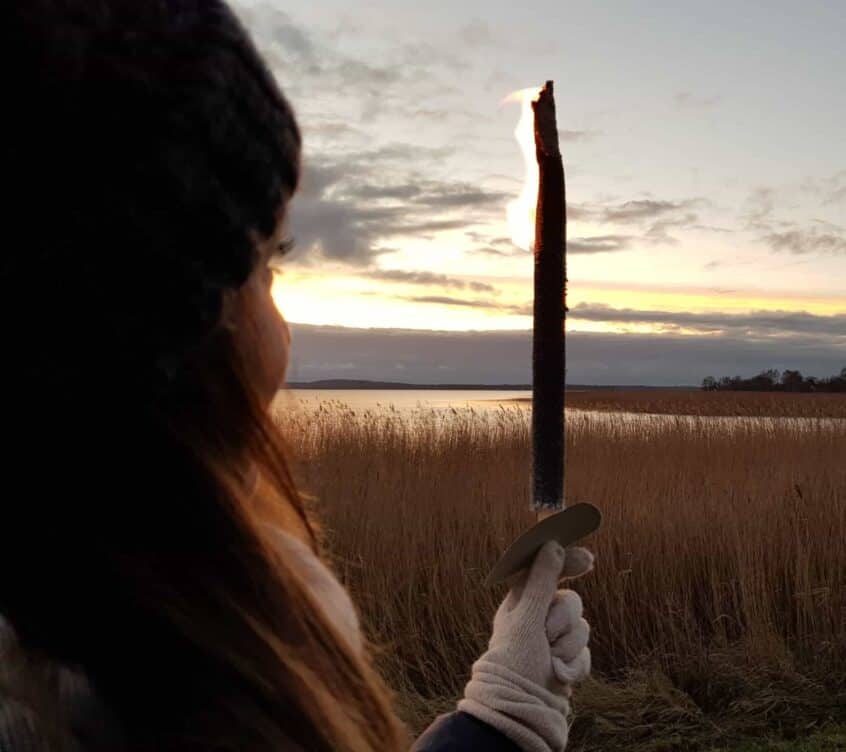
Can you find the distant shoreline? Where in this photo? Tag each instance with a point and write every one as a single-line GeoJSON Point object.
{"type": "Point", "coordinates": [385, 385]}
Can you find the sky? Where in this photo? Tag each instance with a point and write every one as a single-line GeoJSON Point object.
{"type": "Point", "coordinates": [705, 159]}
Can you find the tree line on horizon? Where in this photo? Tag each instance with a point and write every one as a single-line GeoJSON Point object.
{"type": "Point", "coordinates": [773, 380]}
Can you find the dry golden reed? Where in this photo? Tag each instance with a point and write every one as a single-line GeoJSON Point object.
{"type": "Point", "coordinates": [721, 562]}
{"type": "Point", "coordinates": [699, 402]}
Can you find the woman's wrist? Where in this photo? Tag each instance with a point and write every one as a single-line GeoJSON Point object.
{"type": "Point", "coordinates": [532, 716]}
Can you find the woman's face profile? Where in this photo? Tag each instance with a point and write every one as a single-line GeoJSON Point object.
{"type": "Point", "coordinates": [261, 333]}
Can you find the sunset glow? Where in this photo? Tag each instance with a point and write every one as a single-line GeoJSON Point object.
{"type": "Point", "coordinates": [698, 209]}
{"type": "Point", "coordinates": [341, 300]}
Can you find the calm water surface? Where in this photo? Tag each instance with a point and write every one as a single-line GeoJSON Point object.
{"type": "Point", "coordinates": [482, 400]}
{"type": "Point", "coordinates": [405, 399]}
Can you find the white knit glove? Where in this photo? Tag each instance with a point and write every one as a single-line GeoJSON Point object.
{"type": "Point", "coordinates": [522, 684]}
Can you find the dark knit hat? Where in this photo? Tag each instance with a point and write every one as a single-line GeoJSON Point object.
{"type": "Point", "coordinates": [142, 142]}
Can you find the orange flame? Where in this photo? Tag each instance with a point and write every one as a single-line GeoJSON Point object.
{"type": "Point", "coordinates": [521, 211]}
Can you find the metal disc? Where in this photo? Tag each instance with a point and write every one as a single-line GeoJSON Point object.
{"type": "Point", "coordinates": [567, 527]}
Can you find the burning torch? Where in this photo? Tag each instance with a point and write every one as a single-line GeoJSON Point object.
{"type": "Point", "coordinates": [543, 200]}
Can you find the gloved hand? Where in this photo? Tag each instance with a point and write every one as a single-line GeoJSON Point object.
{"type": "Point", "coordinates": [522, 684]}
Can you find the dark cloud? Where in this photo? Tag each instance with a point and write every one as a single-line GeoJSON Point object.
{"type": "Point", "coordinates": [397, 192]}
{"type": "Point", "coordinates": [346, 211]}
{"type": "Point", "coordinates": [808, 240]}
{"type": "Point", "coordinates": [356, 74]}
{"type": "Point", "coordinates": [505, 356]}
{"type": "Point", "coordinates": [321, 222]}
{"type": "Point", "coordinates": [817, 236]}
{"type": "Point", "coordinates": [829, 190]}
{"type": "Point", "coordinates": [493, 246]}
{"type": "Point", "coordinates": [332, 129]}
{"type": "Point", "coordinates": [836, 189]}
{"type": "Point", "coordinates": [440, 114]}
{"type": "Point", "coordinates": [308, 61]}
{"type": "Point", "coordinates": [334, 229]}
{"type": "Point", "coordinates": [447, 300]}
{"type": "Point", "coordinates": [485, 303]}
{"type": "Point", "coordinates": [431, 194]}
{"type": "Point", "coordinates": [599, 244]}
{"type": "Point", "coordinates": [656, 218]}
{"type": "Point", "coordinates": [659, 231]}
{"type": "Point", "coordinates": [318, 177]}
{"type": "Point", "coordinates": [303, 56]}
{"type": "Point", "coordinates": [758, 207]}
{"type": "Point", "coordinates": [643, 209]}
{"type": "Point", "coordinates": [402, 152]}
{"type": "Point", "coordinates": [428, 226]}
{"type": "Point", "coordinates": [430, 279]}
{"type": "Point", "coordinates": [275, 28]}
{"type": "Point", "coordinates": [462, 195]}
{"type": "Point", "coordinates": [753, 324]}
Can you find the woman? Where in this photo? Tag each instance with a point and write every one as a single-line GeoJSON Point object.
{"type": "Point", "coordinates": [160, 578]}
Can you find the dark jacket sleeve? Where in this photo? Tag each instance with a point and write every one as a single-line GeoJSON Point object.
{"type": "Point", "coordinates": [455, 732]}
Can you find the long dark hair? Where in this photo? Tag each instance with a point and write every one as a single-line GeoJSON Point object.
{"type": "Point", "coordinates": [145, 146]}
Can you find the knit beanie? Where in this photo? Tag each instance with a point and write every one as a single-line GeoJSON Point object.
{"type": "Point", "coordinates": [141, 145]}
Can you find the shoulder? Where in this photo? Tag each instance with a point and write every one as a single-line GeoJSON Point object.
{"type": "Point", "coordinates": [456, 731]}
{"type": "Point", "coordinates": [49, 707]}
{"type": "Point", "coordinates": [323, 584]}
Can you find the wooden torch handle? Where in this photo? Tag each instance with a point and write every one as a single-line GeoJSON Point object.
{"type": "Point", "coordinates": [548, 351]}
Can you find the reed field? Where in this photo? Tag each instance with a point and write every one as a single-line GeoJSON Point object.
{"type": "Point", "coordinates": [698, 402]}
{"type": "Point", "coordinates": [718, 602]}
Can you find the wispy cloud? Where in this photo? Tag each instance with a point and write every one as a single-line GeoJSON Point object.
{"type": "Point", "coordinates": [599, 244]}
{"type": "Point", "coordinates": [639, 210]}
{"type": "Point", "coordinates": [429, 279]}
{"type": "Point", "coordinates": [753, 324]}
{"type": "Point", "coordinates": [757, 211]}
{"type": "Point", "coordinates": [448, 300]}
{"type": "Point", "coordinates": [347, 211]}
{"type": "Point", "coordinates": [830, 190]}
{"type": "Point", "coordinates": [688, 100]}
{"type": "Point", "coordinates": [656, 218]}
{"type": "Point", "coordinates": [808, 240]}
{"type": "Point", "coordinates": [766, 323]}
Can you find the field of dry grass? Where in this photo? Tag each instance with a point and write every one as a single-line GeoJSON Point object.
{"type": "Point", "coordinates": [698, 402]}
{"type": "Point", "coordinates": [718, 604]}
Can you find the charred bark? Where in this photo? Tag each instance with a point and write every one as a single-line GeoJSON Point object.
{"type": "Point", "coordinates": [550, 283]}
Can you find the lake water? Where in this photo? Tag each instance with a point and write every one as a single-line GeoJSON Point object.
{"type": "Point", "coordinates": [406, 399]}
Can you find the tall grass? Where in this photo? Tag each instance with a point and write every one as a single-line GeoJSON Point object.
{"type": "Point", "coordinates": [698, 402]}
{"type": "Point", "coordinates": [720, 583]}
